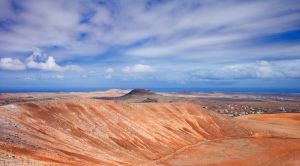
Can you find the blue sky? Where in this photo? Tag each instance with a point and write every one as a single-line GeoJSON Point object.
{"type": "Point", "coordinates": [82, 44]}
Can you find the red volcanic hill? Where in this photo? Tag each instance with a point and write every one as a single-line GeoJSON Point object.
{"type": "Point", "coordinates": [96, 132]}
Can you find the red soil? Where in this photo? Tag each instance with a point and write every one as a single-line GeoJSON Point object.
{"type": "Point", "coordinates": [93, 132]}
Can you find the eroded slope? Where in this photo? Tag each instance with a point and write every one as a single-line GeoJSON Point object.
{"type": "Point", "coordinates": [93, 132]}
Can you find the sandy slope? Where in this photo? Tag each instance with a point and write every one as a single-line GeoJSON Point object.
{"type": "Point", "coordinates": [95, 132]}
{"type": "Point", "coordinates": [291, 119]}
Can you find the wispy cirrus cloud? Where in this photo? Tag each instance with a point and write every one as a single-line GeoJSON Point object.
{"type": "Point", "coordinates": [89, 28]}
{"type": "Point", "coordinates": [210, 39]}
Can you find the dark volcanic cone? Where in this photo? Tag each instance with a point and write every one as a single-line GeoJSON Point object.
{"type": "Point", "coordinates": [143, 96]}
{"type": "Point", "coordinates": [140, 95]}
{"type": "Point", "coordinates": [140, 92]}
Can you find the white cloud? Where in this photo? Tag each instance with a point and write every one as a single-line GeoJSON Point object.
{"type": "Point", "coordinates": [109, 70]}
{"type": "Point", "coordinates": [262, 63]}
{"type": "Point", "coordinates": [11, 64]}
{"type": "Point", "coordinates": [217, 26]}
{"type": "Point", "coordinates": [258, 70]}
{"type": "Point", "coordinates": [183, 46]}
{"type": "Point", "coordinates": [139, 68]}
{"type": "Point", "coordinates": [37, 60]}
{"type": "Point", "coordinates": [182, 25]}
{"type": "Point", "coordinates": [172, 34]}
{"type": "Point", "coordinates": [39, 77]}
{"type": "Point", "coordinates": [58, 77]}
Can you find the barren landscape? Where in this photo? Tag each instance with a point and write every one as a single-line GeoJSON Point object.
{"type": "Point", "coordinates": [145, 128]}
{"type": "Point", "coordinates": [149, 82]}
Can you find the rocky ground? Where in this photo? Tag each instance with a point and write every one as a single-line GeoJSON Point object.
{"type": "Point", "coordinates": [105, 128]}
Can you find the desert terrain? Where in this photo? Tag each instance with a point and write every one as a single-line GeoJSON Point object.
{"type": "Point", "coordinates": [140, 127]}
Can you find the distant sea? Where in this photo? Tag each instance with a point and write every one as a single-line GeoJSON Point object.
{"type": "Point", "coordinates": [207, 90]}
{"type": "Point", "coordinates": [229, 90]}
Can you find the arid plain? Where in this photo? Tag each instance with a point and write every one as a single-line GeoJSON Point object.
{"type": "Point", "coordinates": [140, 127]}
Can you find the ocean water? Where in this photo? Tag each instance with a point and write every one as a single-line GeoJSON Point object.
{"type": "Point", "coordinates": [229, 90]}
